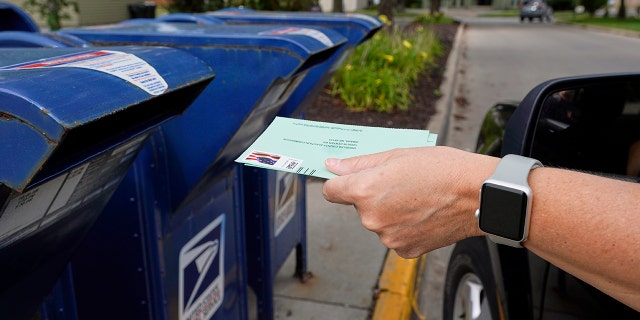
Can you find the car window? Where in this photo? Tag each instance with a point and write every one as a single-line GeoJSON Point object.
{"type": "Point", "coordinates": [589, 128]}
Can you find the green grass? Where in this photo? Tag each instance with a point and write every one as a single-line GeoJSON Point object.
{"type": "Point", "coordinates": [632, 24]}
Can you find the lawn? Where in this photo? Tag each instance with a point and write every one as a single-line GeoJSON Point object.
{"type": "Point", "coordinates": [631, 23]}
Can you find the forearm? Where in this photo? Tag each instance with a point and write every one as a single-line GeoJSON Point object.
{"type": "Point", "coordinates": [590, 227]}
{"type": "Point", "coordinates": [587, 225]}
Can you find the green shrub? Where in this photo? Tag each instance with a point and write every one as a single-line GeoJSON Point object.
{"type": "Point", "coordinates": [380, 73]}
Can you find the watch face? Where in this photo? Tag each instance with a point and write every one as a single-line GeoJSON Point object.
{"type": "Point", "coordinates": [503, 211]}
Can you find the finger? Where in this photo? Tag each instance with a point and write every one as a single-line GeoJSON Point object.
{"type": "Point", "coordinates": [336, 190]}
{"type": "Point", "coordinates": [355, 164]}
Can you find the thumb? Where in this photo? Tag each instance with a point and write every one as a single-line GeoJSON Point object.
{"type": "Point", "coordinates": [355, 164]}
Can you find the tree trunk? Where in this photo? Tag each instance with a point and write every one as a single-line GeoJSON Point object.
{"type": "Point", "coordinates": [270, 5]}
{"type": "Point", "coordinates": [622, 11]}
{"type": "Point", "coordinates": [386, 8]}
{"type": "Point", "coordinates": [337, 6]}
{"type": "Point", "coordinates": [434, 7]}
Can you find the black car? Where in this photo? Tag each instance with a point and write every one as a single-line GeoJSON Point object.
{"type": "Point", "coordinates": [537, 9]}
{"type": "Point", "coordinates": [585, 123]}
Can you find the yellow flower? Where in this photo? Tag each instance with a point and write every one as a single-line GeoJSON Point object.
{"type": "Point", "coordinates": [424, 55]}
{"type": "Point", "coordinates": [378, 82]}
{"type": "Point", "coordinates": [384, 19]}
{"type": "Point", "coordinates": [348, 67]}
{"type": "Point", "coordinates": [388, 57]}
{"type": "Point", "coordinates": [407, 44]}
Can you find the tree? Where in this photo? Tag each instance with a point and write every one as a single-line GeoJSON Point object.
{"type": "Point", "coordinates": [299, 5]}
{"type": "Point", "coordinates": [622, 11]}
{"type": "Point", "coordinates": [187, 6]}
{"type": "Point", "coordinates": [434, 7]}
{"type": "Point", "coordinates": [386, 8]}
{"type": "Point", "coordinates": [591, 6]}
{"type": "Point", "coordinates": [338, 6]}
{"type": "Point", "coordinates": [52, 10]}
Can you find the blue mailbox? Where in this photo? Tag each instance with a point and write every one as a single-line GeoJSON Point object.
{"type": "Point", "coordinates": [71, 123]}
{"type": "Point", "coordinates": [181, 209]}
{"type": "Point", "coordinates": [28, 39]}
{"type": "Point", "coordinates": [276, 201]}
{"type": "Point", "coordinates": [276, 220]}
{"type": "Point", "coordinates": [15, 19]}
{"type": "Point", "coordinates": [357, 28]}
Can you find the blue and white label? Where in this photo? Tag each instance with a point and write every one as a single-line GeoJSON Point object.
{"type": "Point", "coordinates": [202, 273]}
{"type": "Point", "coordinates": [119, 64]}
{"type": "Point", "coordinates": [312, 33]}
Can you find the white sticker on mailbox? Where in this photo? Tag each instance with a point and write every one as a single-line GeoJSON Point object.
{"type": "Point", "coordinates": [315, 34]}
{"type": "Point", "coordinates": [120, 64]}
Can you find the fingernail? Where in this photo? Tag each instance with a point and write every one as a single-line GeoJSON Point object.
{"type": "Point", "coordinates": [331, 162]}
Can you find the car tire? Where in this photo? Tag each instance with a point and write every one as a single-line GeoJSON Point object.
{"type": "Point", "coordinates": [469, 290]}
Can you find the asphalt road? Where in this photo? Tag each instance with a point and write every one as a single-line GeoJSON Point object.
{"type": "Point", "coordinates": [502, 59]}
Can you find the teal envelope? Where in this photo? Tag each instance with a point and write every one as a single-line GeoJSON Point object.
{"type": "Point", "coordinates": [301, 146]}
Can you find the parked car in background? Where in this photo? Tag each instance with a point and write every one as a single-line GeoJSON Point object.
{"type": "Point", "coordinates": [535, 9]}
{"type": "Point", "coordinates": [584, 123]}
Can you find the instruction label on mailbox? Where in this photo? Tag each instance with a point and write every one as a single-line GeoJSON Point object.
{"type": "Point", "coordinates": [39, 207]}
{"type": "Point", "coordinates": [120, 64]}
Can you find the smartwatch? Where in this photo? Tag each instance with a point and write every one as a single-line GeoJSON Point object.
{"type": "Point", "coordinates": [505, 201]}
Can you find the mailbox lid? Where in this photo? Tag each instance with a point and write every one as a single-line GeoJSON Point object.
{"type": "Point", "coordinates": [14, 18]}
{"type": "Point", "coordinates": [356, 27]}
{"type": "Point", "coordinates": [303, 42]}
{"type": "Point", "coordinates": [57, 99]}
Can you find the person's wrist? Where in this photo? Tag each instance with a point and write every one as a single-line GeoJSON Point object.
{"type": "Point", "coordinates": [484, 166]}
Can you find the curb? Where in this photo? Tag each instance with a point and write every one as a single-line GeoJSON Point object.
{"type": "Point", "coordinates": [396, 287]}
{"type": "Point", "coordinates": [439, 122]}
{"type": "Point", "coordinates": [397, 282]}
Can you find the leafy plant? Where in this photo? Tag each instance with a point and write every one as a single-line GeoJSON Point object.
{"type": "Point", "coordinates": [53, 11]}
{"type": "Point", "coordinates": [380, 73]}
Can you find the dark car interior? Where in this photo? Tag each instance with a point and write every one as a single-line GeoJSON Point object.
{"type": "Point", "coordinates": [594, 129]}
{"type": "Point", "coordinates": [589, 128]}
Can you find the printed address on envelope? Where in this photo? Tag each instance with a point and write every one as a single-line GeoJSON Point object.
{"type": "Point", "coordinates": [301, 146]}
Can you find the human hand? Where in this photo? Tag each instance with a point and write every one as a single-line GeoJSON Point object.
{"type": "Point", "coordinates": [415, 199]}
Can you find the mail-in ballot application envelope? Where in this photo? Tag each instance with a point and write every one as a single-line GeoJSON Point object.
{"type": "Point", "coordinates": [301, 146]}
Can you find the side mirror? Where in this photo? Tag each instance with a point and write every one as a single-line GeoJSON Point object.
{"type": "Point", "coordinates": [589, 123]}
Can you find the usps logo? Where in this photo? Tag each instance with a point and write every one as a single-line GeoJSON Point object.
{"type": "Point", "coordinates": [201, 273]}
{"type": "Point", "coordinates": [285, 204]}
